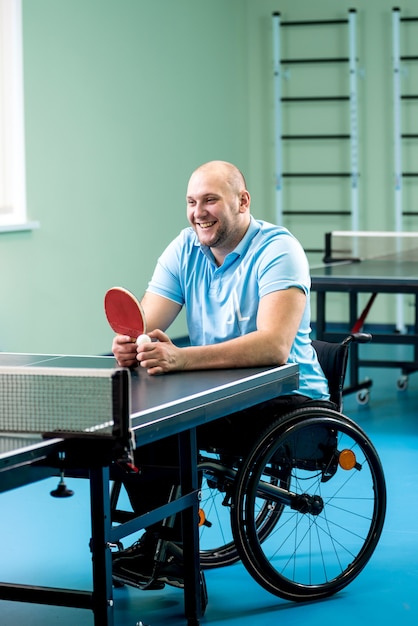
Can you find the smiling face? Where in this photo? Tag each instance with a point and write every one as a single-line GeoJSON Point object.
{"type": "Point", "coordinates": [218, 207]}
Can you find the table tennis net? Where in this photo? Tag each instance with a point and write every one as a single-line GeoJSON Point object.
{"type": "Point", "coordinates": [40, 400]}
{"type": "Point", "coordinates": [361, 245]}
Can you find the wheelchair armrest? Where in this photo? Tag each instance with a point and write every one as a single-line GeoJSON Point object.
{"type": "Point", "coordinates": [357, 338]}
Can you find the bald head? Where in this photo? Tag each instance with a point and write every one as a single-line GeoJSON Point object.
{"type": "Point", "coordinates": [222, 170]}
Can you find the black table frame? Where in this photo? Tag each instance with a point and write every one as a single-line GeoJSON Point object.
{"type": "Point", "coordinates": [353, 286]}
{"type": "Point", "coordinates": [45, 459]}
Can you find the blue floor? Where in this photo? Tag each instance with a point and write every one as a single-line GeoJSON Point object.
{"type": "Point", "coordinates": [386, 592]}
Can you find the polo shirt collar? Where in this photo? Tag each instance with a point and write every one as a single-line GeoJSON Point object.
{"type": "Point", "coordinates": [240, 250]}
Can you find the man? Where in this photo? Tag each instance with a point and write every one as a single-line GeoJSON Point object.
{"type": "Point", "coordinates": [245, 286]}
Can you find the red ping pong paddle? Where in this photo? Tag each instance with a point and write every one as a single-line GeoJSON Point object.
{"type": "Point", "coordinates": [124, 313]}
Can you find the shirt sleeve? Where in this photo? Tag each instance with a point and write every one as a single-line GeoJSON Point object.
{"type": "Point", "coordinates": [283, 264]}
{"type": "Point", "coordinates": [166, 279]}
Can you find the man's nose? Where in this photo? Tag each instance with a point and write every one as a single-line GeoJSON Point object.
{"type": "Point", "coordinates": [200, 209]}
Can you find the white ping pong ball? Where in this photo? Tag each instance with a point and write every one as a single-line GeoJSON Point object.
{"type": "Point", "coordinates": [143, 339]}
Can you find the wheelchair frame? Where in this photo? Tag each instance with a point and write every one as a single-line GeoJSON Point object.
{"type": "Point", "coordinates": [305, 508]}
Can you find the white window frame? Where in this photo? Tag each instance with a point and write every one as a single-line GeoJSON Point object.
{"type": "Point", "coordinates": [13, 210]}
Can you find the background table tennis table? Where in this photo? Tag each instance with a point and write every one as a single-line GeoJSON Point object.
{"type": "Point", "coordinates": [395, 274]}
{"type": "Point", "coordinates": [172, 404]}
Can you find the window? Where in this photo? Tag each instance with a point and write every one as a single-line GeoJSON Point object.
{"type": "Point", "coordinates": [12, 143]}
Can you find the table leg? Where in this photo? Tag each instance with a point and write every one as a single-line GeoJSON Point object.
{"type": "Point", "coordinates": [354, 359]}
{"type": "Point", "coordinates": [415, 329]}
{"type": "Point", "coordinates": [100, 547]}
{"type": "Point", "coordinates": [190, 521]}
{"type": "Point", "coordinates": [320, 314]}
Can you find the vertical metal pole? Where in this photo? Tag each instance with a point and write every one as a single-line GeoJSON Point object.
{"type": "Point", "coordinates": [100, 549]}
{"type": "Point", "coordinates": [397, 120]}
{"type": "Point", "coordinates": [190, 523]}
{"type": "Point", "coordinates": [277, 117]}
{"type": "Point", "coordinates": [353, 120]}
{"type": "Point", "coordinates": [400, 325]}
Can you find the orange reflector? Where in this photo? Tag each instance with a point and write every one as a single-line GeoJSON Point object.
{"type": "Point", "coordinates": [347, 459]}
{"type": "Point", "coordinates": [202, 517]}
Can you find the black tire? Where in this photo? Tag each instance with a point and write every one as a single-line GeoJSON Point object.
{"type": "Point", "coordinates": [331, 518]}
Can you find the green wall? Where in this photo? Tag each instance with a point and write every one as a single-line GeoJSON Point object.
{"type": "Point", "coordinates": [122, 101]}
{"type": "Point", "coordinates": [375, 121]}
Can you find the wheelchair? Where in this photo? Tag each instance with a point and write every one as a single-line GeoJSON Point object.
{"type": "Point", "coordinates": [305, 508]}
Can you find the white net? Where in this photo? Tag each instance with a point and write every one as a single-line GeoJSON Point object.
{"type": "Point", "coordinates": [362, 245]}
{"type": "Point", "coordinates": [13, 441]}
{"type": "Point", "coordinates": [38, 400]}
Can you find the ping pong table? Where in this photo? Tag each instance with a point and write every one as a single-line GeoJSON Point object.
{"type": "Point", "coordinates": [113, 409]}
{"type": "Point", "coordinates": [391, 268]}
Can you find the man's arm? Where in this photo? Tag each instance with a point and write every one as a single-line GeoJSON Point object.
{"type": "Point", "coordinates": [159, 312]}
{"type": "Point", "coordinates": [278, 319]}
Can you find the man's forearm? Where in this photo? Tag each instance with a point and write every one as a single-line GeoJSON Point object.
{"type": "Point", "coordinates": [245, 351]}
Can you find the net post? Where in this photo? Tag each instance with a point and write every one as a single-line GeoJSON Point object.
{"type": "Point", "coordinates": [328, 248]}
{"type": "Point", "coordinates": [121, 401]}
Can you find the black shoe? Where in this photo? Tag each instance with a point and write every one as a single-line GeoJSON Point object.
{"type": "Point", "coordinates": [145, 546]}
{"type": "Point", "coordinates": [171, 573]}
{"type": "Point", "coordinates": [135, 565]}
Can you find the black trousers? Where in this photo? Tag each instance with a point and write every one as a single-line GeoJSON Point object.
{"type": "Point", "coordinates": [159, 462]}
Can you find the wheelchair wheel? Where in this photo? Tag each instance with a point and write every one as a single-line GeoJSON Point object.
{"type": "Point", "coordinates": [217, 545]}
{"type": "Point", "coordinates": [333, 508]}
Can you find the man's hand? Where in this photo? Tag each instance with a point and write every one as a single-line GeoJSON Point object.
{"type": "Point", "coordinates": [161, 355]}
{"type": "Point", "coordinates": [124, 350]}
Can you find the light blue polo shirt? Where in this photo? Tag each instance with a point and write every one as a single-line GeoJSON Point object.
{"type": "Point", "coordinates": [222, 302]}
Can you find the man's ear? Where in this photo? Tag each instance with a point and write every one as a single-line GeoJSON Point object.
{"type": "Point", "coordinates": [245, 200]}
